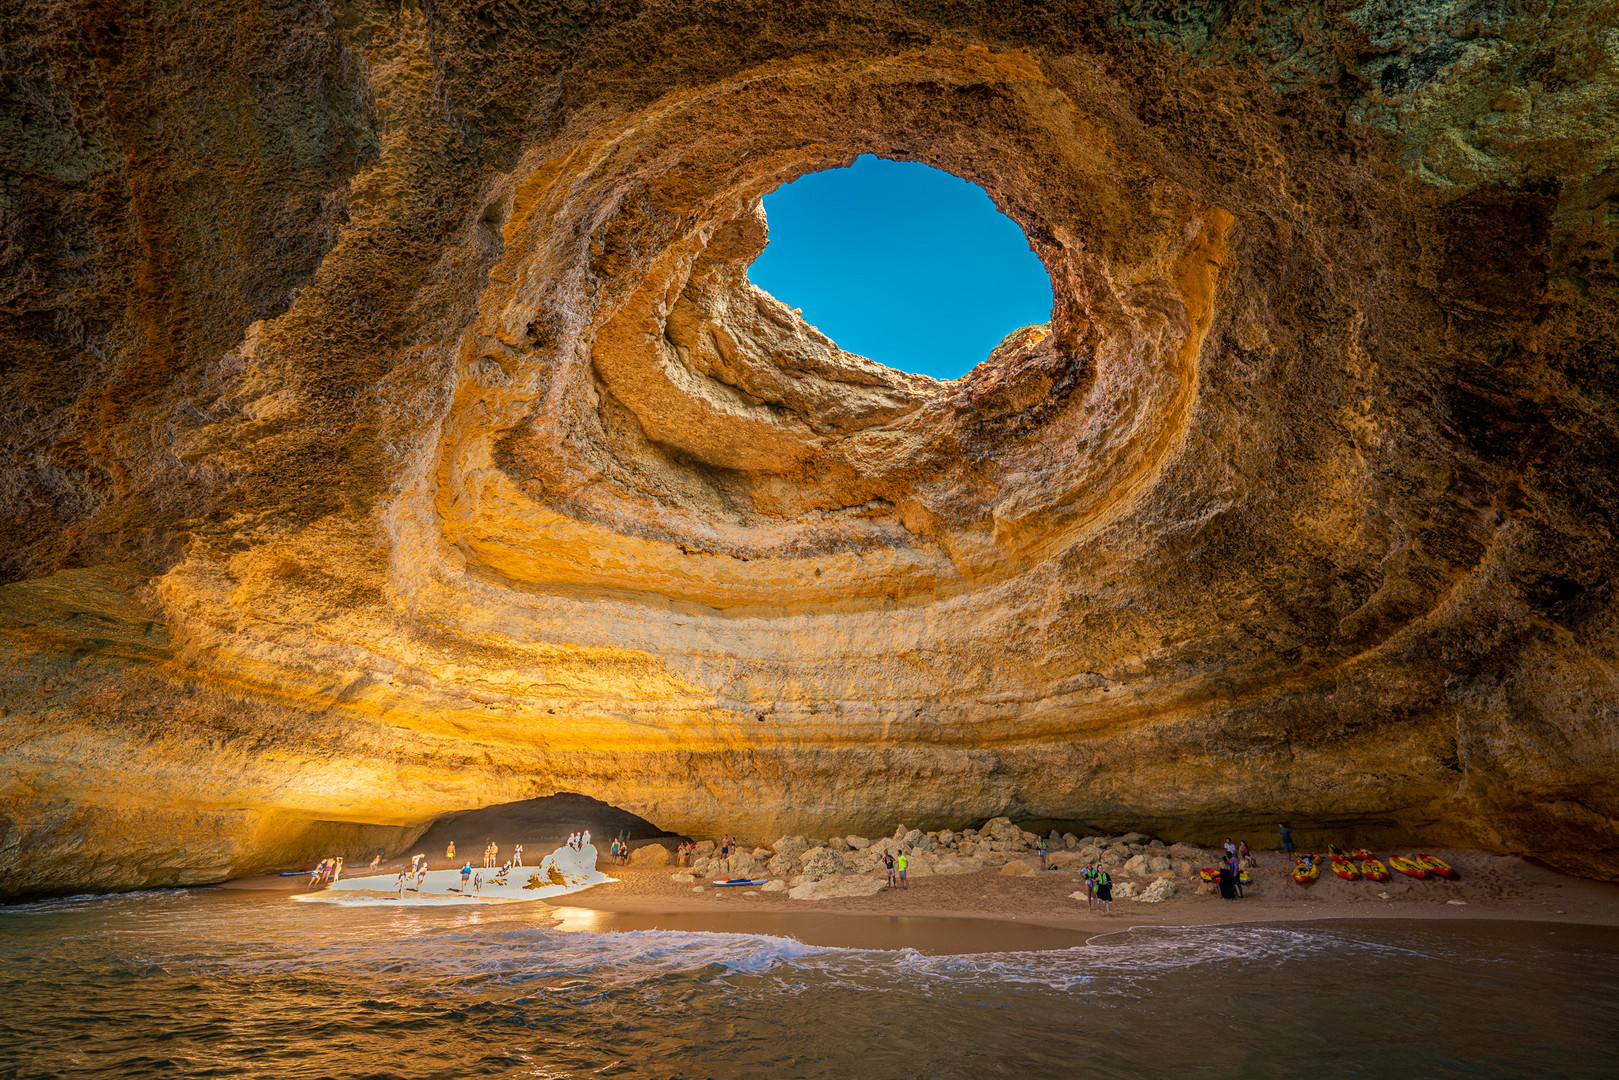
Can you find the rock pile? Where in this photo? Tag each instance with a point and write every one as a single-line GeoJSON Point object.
{"type": "Point", "coordinates": [812, 869]}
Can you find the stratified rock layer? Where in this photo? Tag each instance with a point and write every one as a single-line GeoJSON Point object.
{"type": "Point", "coordinates": [391, 428]}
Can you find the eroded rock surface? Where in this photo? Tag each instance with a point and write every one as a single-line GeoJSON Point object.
{"type": "Point", "coordinates": [390, 428]}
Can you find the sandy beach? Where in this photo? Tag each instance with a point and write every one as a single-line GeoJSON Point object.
{"type": "Point", "coordinates": [991, 911]}
{"type": "Point", "coordinates": [1488, 887]}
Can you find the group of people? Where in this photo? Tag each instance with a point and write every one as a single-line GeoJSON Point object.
{"type": "Point", "coordinates": [326, 871]}
{"type": "Point", "coordinates": [1236, 859]}
{"type": "Point", "coordinates": [685, 853]}
{"type": "Point", "coordinates": [896, 864]}
{"type": "Point", "coordinates": [1098, 887]}
{"type": "Point", "coordinates": [620, 851]}
{"type": "Point", "coordinates": [579, 840]}
{"type": "Point", "coordinates": [472, 880]}
{"type": "Point", "coordinates": [412, 877]}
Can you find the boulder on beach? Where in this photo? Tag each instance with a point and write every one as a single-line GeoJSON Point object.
{"type": "Point", "coordinates": [1124, 890]}
{"type": "Point", "coordinates": [1018, 868]}
{"type": "Point", "coordinates": [838, 885]}
{"type": "Point", "coordinates": [682, 878]}
{"type": "Point", "coordinates": [650, 855]}
{"type": "Point", "coordinates": [1157, 892]}
{"type": "Point", "coordinates": [1144, 864]}
{"type": "Point", "coordinates": [774, 885]}
{"type": "Point", "coordinates": [822, 863]}
{"type": "Point", "coordinates": [857, 843]}
{"type": "Point", "coordinates": [791, 847]}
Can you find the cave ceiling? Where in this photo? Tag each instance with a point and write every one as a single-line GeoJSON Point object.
{"type": "Point", "coordinates": [391, 427]}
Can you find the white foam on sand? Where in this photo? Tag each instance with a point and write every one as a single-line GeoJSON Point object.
{"type": "Point", "coordinates": [577, 869]}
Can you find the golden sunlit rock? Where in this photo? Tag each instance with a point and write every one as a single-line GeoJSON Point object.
{"type": "Point", "coordinates": [391, 428]}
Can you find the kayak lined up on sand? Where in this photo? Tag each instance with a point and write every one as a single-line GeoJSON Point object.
{"type": "Point", "coordinates": [1407, 866]}
{"type": "Point", "coordinates": [1434, 865]}
{"type": "Point", "coordinates": [1373, 868]}
{"type": "Point", "coordinates": [1344, 868]}
{"type": "Point", "coordinates": [1306, 872]}
{"type": "Point", "coordinates": [731, 882]}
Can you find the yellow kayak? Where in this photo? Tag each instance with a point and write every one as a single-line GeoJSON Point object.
{"type": "Point", "coordinates": [1374, 869]}
{"type": "Point", "coordinates": [1434, 865]}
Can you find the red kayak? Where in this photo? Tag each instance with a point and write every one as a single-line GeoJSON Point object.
{"type": "Point", "coordinates": [1434, 865]}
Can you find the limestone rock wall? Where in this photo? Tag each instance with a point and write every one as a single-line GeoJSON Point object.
{"type": "Point", "coordinates": [390, 427]}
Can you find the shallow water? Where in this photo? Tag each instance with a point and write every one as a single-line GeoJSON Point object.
{"type": "Point", "coordinates": [210, 983]}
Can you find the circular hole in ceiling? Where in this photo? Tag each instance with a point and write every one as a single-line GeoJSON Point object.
{"type": "Point", "coordinates": [902, 263]}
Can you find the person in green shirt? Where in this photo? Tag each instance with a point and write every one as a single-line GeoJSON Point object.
{"type": "Point", "coordinates": [903, 858]}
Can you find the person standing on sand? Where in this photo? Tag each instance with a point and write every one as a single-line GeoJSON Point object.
{"type": "Point", "coordinates": [376, 862]}
{"type": "Point", "coordinates": [1287, 837]}
{"type": "Point", "coordinates": [315, 874]}
{"type": "Point", "coordinates": [1089, 874]}
{"type": "Point", "coordinates": [449, 853]}
{"type": "Point", "coordinates": [421, 875]}
{"type": "Point", "coordinates": [401, 882]}
{"type": "Point", "coordinates": [1104, 891]}
{"type": "Point", "coordinates": [902, 862]}
{"type": "Point", "coordinates": [517, 855]}
{"type": "Point", "coordinates": [1040, 848]}
{"type": "Point", "coordinates": [584, 841]}
{"type": "Point", "coordinates": [337, 869]}
{"type": "Point", "coordinates": [888, 861]}
{"type": "Point", "coordinates": [1245, 855]}
{"type": "Point", "coordinates": [466, 873]}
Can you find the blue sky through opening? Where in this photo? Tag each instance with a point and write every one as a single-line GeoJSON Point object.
{"type": "Point", "coordinates": [901, 263]}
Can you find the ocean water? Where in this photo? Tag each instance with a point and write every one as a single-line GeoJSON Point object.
{"type": "Point", "coordinates": [212, 983]}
